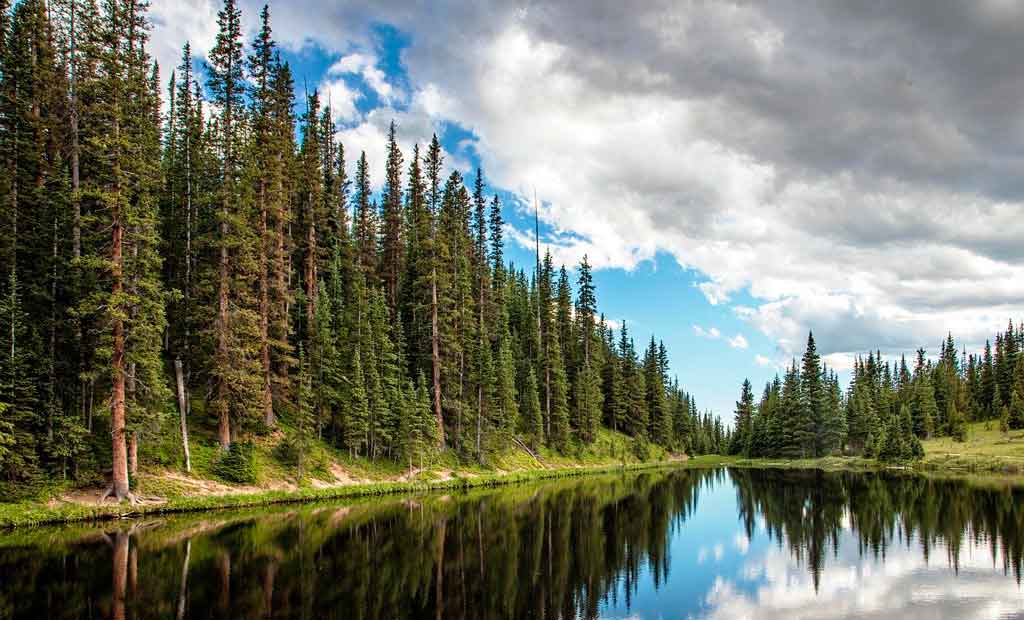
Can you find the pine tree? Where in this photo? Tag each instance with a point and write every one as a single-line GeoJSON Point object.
{"type": "Point", "coordinates": [811, 428]}
{"type": "Point", "coordinates": [506, 407]}
{"type": "Point", "coordinates": [1015, 412]}
{"type": "Point", "coordinates": [743, 430]}
{"type": "Point", "coordinates": [17, 389]}
{"type": "Point", "coordinates": [924, 410]}
{"type": "Point", "coordinates": [588, 400]}
{"type": "Point", "coordinates": [235, 367]}
{"type": "Point", "coordinates": [365, 223]}
{"type": "Point", "coordinates": [392, 220]}
{"type": "Point", "coordinates": [356, 407]}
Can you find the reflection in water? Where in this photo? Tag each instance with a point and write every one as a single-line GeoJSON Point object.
{"type": "Point", "coordinates": [669, 544]}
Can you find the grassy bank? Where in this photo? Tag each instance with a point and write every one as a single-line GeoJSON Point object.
{"type": "Point", "coordinates": [35, 513]}
{"type": "Point", "coordinates": [328, 474]}
{"type": "Point", "coordinates": [986, 454]}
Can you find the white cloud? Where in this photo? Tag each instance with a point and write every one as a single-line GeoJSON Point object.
{"type": "Point", "coordinates": [341, 98]}
{"type": "Point", "coordinates": [764, 361]}
{"type": "Point", "coordinates": [711, 333]}
{"type": "Point", "coordinates": [365, 66]}
{"type": "Point", "coordinates": [738, 341]}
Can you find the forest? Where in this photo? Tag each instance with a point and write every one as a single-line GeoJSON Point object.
{"type": "Point", "coordinates": [887, 409]}
{"type": "Point", "coordinates": [192, 250]}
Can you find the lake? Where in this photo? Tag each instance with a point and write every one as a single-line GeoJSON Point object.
{"type": "Point", "coordinates": [659, 544]}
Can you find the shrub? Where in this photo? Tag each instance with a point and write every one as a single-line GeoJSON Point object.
{"type": "Point", "coordinates": [238, 464]}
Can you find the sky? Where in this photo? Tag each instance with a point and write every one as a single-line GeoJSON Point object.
{"type": "Point", "coordinates": [738, 173]}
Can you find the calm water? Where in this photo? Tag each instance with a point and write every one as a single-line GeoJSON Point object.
{"type": "Point", "coordinates": [657, 545]}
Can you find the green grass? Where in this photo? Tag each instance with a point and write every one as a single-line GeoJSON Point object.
{"type": "Point", "coordinates": [25, 514]}
{"type": "Point", "coordinates": [986, 450]}
{"type": "Point", "coordinates": [166, 489]}
{"type": "Point", "coordinates": [987, 453]}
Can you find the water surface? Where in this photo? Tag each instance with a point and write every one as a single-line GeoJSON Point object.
{"type": "Point", "coordinates": [655, 545]}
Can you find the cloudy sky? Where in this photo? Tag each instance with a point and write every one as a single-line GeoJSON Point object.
{"type": "Point", "coordinates": [740, 173]}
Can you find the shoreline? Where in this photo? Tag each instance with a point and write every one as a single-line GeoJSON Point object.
{"type": "Point", "coordinates": [30, 514]}
{"type": "Point", "coordinates": [974, 468]}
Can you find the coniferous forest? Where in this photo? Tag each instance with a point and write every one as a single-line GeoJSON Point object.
{"type": "Point", "coordinates": [190, 249]}
{"type": "Point", "coordinates": [888, 407]}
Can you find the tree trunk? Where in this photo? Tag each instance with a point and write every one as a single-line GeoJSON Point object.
{"type": "Point", "coordinates": [311, 276]}
{"type": "Point", "coordinates": [183, 411]}
{"type": "Point", "coordinates": [436, 357]}
{"type": "Point", "coordinates": [268, 399]}
{"type": "Point", "coordinates": [119, 483]}
{"type": "Point", "coordinates": [223, 286]}
{"type": "Point", "coordinates": [281, 278]}
{"type": "Point", "coordinates": [133, 453]}
{"type": "Point", "coordinates": [224, 422]}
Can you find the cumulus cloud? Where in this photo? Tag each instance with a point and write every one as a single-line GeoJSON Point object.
{"type": "Point", "coordinates": [873, 198]}
{"type": "Point", "coordinates": [711, 333]}
{"type": "Point", "coordinates": [365, 66]}
{"type": "Point", "coordinates": [738, 341]}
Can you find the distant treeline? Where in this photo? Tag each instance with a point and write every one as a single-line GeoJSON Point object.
{"type": "Point", "coordinates": [888, 408]}
{"type": "Point", "coordinates": [387, 324]}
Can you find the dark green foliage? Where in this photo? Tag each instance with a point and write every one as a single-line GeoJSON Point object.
{"type": "Point", "coordinates": [237, 463]}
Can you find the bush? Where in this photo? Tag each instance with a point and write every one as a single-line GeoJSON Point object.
{"type": "Point", "coordinates": [238, 464]}
{"type": "Point", "coordinates": [641, 449]}
{"type": "Point", "coordinates": [287, 452]}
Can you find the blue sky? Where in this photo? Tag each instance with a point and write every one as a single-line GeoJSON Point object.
{"type": "Point", "coordinates": [730, 169]}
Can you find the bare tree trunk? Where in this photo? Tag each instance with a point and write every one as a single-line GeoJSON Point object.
{"type": "Point", "coordinates": [183, 411]}
{"type": "Point", "coordinates": [436, 357]}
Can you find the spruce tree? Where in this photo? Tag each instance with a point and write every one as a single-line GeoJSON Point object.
{"type": "Point", "coordinates": [743, 430]}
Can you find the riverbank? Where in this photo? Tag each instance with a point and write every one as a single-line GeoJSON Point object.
{"type": "Point", "coordinates": [35, 513]}
{"type": "Point", "coordinates": [988, 454]}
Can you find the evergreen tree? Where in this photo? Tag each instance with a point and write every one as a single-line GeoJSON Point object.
{"type": "Point", "coordinates": [392, 221]}
{"type": "Point", "coordinates": [743, 429]}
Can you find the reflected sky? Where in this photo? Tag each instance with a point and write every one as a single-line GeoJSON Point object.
{"type": "Point", "coordinates": [718, 571]}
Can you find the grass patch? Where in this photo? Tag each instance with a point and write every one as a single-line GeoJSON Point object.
{"type": "Point", "coordinates": [20, 515]}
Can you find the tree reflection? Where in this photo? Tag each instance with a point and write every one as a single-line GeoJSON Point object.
{"type": "Point", "coordinates": [558, 550]}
